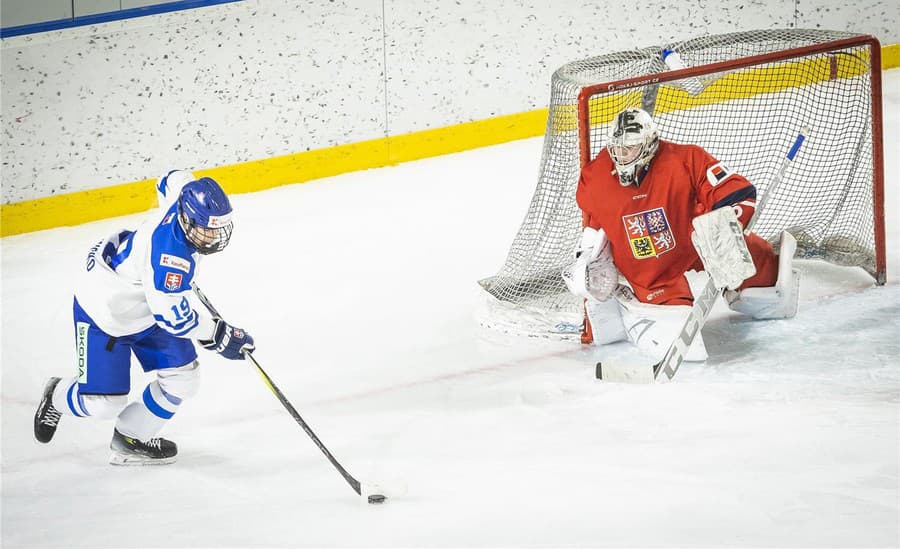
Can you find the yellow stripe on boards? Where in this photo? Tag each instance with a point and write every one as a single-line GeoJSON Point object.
{"type": "Point", "coordinates": [76, 208]}
{"type": "Point", "coordinates": [139, 196]}
{"type": "Point", "coordinates": [257, 175]}
{"type": "Point", "coordinates": [463, 137]}
{"type": "Point", "coordinates": [890, 56]}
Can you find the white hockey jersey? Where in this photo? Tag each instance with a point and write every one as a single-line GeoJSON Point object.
{"type": "Point", "coordinates": [135, 279]}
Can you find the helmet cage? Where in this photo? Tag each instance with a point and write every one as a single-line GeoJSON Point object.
{"type": "Point", "coordinates": [206, 240]}
{"type": "Point", "coordinates": [632, 142]}
{"type": "Point", "coordinates": [204, 214]}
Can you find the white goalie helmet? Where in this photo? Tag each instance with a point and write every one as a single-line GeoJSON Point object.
{"type": "Point", "coordinates": [632, 140]}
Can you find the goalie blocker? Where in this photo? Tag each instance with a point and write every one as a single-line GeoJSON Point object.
{"type": "Point", "coordinates": [719, 240]}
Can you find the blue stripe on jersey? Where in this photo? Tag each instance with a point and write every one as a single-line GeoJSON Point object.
{"type": "Point", "coordinates": [114, 259]}
{"type": "Point", "coordinates": [161, 185]}
{"type": "Point", "coordinates": [735, 197]}
{"type": "Point", "coordinates": [169, 239]}
{"type": "Point", "coordinates": [181, 328]}
{"type": "Point", "coordinates": [164, 183]}
{"type": "Point", "coordinates": [155, 408]}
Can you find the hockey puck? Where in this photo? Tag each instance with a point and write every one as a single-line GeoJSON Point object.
{"type": "Point", "coordinates": [599, 372]}
{"type": "Point", "coordinates": [375, 499]}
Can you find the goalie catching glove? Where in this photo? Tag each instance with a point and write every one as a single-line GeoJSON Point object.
{"type": "Point", "coordinates": [719, 240]}
{"type": "Point", "coordinates": [229, 341]}
{"type": "Point", "coordinates": [593, 274]}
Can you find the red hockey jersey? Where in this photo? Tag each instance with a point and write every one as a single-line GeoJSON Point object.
{"type": "Point", "coordinates": [649, 227]}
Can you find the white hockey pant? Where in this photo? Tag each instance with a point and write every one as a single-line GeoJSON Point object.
{"type": "Point", "coordinates": [773, 302]}
{"type": "Point", "coordinates": [141, 419]}
{"type": "Point", "coordinates": [652, 328]}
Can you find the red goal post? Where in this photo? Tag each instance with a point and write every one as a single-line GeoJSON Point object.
{"type": "Point", "coordinates": [743, 97]}
{"type": "Point", "coordinates": [807, 61]}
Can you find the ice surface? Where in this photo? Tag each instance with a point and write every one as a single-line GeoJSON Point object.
{"type": "Point", "coordinates": [360, 292]}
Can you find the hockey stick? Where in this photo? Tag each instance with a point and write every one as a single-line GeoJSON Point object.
{"type": "Point", "coordinates": [704, 303]}
{"type": "Point", "coordinates": [371, 493]}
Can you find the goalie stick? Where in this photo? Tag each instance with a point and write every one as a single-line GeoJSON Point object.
{"type": "Point", "coordinates": [703, 304]}
{"type": "Point", "coordinates": [370, 493]}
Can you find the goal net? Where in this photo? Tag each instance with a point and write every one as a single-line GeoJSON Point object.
{"type": "Point", "coordinates": [743, 97]}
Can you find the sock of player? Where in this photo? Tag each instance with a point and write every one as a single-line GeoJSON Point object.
{"type": "Point", "coordinates": [147, 416]}
{"type": "Point", "coordinates": [66, 398]}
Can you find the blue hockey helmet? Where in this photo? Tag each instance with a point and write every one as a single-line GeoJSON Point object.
{"type": "Point", "coordinates": [204, 213]}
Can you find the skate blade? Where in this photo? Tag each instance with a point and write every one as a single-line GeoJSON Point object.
{"type": "Point", "coordinates": [130, 460]}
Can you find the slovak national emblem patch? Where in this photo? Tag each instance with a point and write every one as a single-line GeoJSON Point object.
{"type": "Point", "coordinates": [649, 233]}
{"type": "Point", "coordinates": [173, 281]}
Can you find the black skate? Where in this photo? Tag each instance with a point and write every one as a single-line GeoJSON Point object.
{"type": "Point", "coordinates": [131, 451]}
{"type": "Point", "coordinates": [46, 418]}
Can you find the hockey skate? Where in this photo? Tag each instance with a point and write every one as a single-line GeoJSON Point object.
{"type": "Point", "coordinates": [46, 418]}
{"type": "Point", "coordinates": [131, 451]}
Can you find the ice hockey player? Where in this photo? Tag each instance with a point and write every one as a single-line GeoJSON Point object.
{"type": "Point", "coordinates": [639, 197]}
{"type": "Point", "coordinates": [134, 296]}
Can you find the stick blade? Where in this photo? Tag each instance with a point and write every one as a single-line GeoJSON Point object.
{"type": "Point", "coordinates": [376, 494]}
{"type": "Point", "coordinates": [617, 372]}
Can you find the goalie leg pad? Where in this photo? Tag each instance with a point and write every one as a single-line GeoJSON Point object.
{"type": "Point", "coordinates": [652, 328]}
{"type": "Point", "coordinates": [766, 261]}
{"type": "Point", "coordinates": [772, 302]}
{"type": "Point", "coordinates": [606, 321]}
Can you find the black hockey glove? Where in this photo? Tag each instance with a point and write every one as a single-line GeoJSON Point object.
{"type": "Point", "coordinates": [229, 341]}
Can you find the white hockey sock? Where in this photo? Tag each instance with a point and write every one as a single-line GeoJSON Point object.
{"type": "Point", "coordinates": [147, 416]}
{"type": "Point", "coordinates": [66, 398]}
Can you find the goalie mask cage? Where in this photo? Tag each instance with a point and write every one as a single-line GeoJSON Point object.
{"type": "Point", "coordinates": [743, 97]}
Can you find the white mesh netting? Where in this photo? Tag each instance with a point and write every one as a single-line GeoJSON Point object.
{"type": "Point", "coordinates": [746, 116]}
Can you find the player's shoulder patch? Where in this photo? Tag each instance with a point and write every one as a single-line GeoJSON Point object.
{"type": "Point", "coordinates": [175, 262]}
{"type": "Point", "coordinates": [718, 173]}
{"type": "Point", "coordinates": [172, 281]}
{"type": "Point", "coordinates": [172, 272]}
{"type": "Point", "coordinates": [171, 259]}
